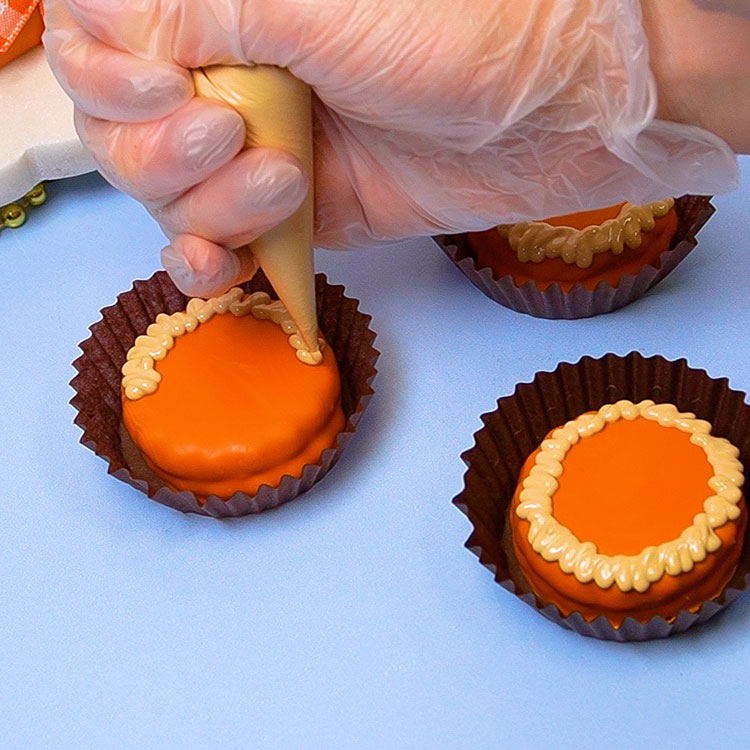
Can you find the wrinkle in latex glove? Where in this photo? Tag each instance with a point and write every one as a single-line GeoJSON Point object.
{"type": "Point", "coordinates": [430, 116]}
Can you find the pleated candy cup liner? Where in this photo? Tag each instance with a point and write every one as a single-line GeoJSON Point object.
{"type": "Point", "coordinates": [98, 395]}
{"type": "Point", "coordinates": [522, 420]}
{"type": "Point", "coordinates": [693, 212]}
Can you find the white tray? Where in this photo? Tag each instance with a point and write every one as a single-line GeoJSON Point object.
{"type": "Point", "coordinates": [37, 138]}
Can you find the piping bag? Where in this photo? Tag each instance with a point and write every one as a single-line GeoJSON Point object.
{"type": "Point", "coordinates": [276, 108]}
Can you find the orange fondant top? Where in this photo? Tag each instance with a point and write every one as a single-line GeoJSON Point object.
{"type": "Point", "coordinates": [632, 485]}
{"type": "Point", "coordinates": [235, 409]}
{"type": "Point", "coordinates": [21, 28]}
{"type": "Point", "coordinates": [585, 219]}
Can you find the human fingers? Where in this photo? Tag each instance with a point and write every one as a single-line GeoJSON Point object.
{"type": "Point", "coordinates": [108, 83]}
{"type": "Point", "coordinates": [368, 59]}
{"type": "Point", "coordinates": [200, 268]}
{"type": "Point", "coordinates": [190, 33]}
{"type": "Point", "coordinates": [156, 161]}
{"type": "Point", "coordinates": [240, 201]}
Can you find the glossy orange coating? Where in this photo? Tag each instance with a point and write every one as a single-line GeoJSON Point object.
{"type": "Point", "coordinates": [235, 409]}
{"type": "Point", "coordinates": [493, 251]}
{"type": "Point", "coordinates": [630, 486]}
{"type": "Point", "coordinates": [29, 36]}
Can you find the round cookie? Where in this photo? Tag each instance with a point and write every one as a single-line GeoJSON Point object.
{"type": "Point", "coordinates": [217, 401]}
{"type": "Point", "coordinates": [634, 510]}
{"type": "Point", "coordinates": [586, 248]}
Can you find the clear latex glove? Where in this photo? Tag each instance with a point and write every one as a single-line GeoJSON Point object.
{"type": "Point", "coordinates": [430, 116]}
{"type": "Point", "coordinates": [738, 7]}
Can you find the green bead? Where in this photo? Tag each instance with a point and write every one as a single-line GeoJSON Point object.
{"type": "Point", "coordinates": [37, 196]}
{"type": "Point", "coordinates": [12, 215]}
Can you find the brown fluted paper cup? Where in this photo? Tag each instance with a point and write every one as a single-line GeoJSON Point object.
{"type": "Point", "coordinates": [98, 394]}
{"type": "Point", "coordinates": [693, 211]}
{"type": "Point", "coordinates": [521, 421]}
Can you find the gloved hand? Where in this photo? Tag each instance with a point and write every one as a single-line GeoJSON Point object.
{"type": "Point", "coordinates": [738, 7]}
{"type": "Point", "coordinates": [430, 117]}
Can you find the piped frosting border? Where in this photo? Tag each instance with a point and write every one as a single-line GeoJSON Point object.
{"type": "Point", "coordinates": [140, 377]}
{"type": "Point", "coordinates": [533, 241]}
{"type": "Point", "coordinates": [555, 542]}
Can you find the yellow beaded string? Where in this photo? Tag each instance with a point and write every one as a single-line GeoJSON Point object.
{"type": "Point", "coordinates": [14, 214]}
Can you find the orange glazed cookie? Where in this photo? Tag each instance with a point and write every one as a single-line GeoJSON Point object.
{"type": "Point", "coordinates": [584, 248]}
{"type": "Point", "coordinates": [634, 510]}
{"type": "Point", "coordinates": [217, 401]}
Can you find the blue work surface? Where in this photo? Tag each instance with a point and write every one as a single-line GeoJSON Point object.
{"type": "Point", "coordinates": [353, 617]}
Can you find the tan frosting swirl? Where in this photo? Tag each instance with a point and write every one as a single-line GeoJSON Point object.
{"type": "Point", "coordinates": [555, 542]}
{"type": "Point", "coordinates": [140, 377]}
{"type": "Point", "coordinates": [533, 241]}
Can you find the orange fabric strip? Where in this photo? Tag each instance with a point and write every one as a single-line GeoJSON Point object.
{"type": "Point", "coordinates": [14, 16]}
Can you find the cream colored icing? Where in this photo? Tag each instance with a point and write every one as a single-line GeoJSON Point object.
{"type": "Point", "coordinates": [140, 377]}
{"type": "Point", "coordinates": [555, 542]}
{"type": "Point", "coordinates": [533, 241]}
